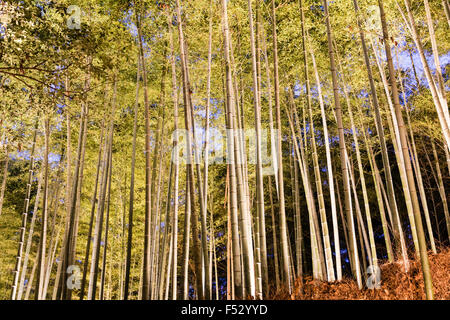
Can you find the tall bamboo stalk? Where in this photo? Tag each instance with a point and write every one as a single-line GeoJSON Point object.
{"type": "Point", "coordinates": [405, 151]}
{"type": "Point", "coordinates": [236, 248]}
{"type": "Point", "coordinates": [23, 227]}
{"type": "Point", "coordinates": [259, 172]}
{"type": "Point", "coordinates": [344, 169]}
{"type": "Point", "coordinates": [283, 225]}
{"type": "Point", "coordinates": [43, 239]}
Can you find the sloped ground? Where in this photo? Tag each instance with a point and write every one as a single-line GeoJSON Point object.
{"type": "Point", "coordinates": [395, 284]}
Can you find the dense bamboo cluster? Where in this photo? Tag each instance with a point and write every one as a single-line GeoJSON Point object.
{"type": "Point", "coordinates": [220, 149]}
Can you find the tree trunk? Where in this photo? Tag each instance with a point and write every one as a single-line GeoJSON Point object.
{"type": "Point", "coordinates": [189, 166]}
{"type": "Point", "coordinates": [344, 169]}
{"type": "Point", "coordinates": [175, 160]}
{"type": "Point", "coordinates": [148, 195]}
{"type": "Point", "coordinates": [26, 257]}
{"type": "Point", "coordinates": [259, 172]}
{"type": "Point", "coordinates": [23, 227]}
{"type": "Point", "coordinates": [283, 224]}
{"type": "Point", "coordinates": [405, 151]}
{"type": "Point", "coordinates": [237, 275]}
{"type": "Point", "coordinates": [41, 261]}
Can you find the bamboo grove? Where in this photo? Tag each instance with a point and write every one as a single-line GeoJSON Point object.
{"type": "Point", "coordinates": [116, 117]}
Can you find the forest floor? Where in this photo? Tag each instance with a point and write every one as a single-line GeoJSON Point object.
{"type": "Point", "coordinates": [395, 284]}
